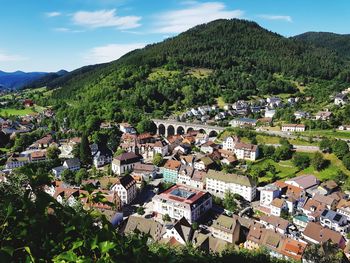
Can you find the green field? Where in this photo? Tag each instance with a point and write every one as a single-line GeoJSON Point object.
{"type": "Point", "coordinates": [200, 73]}
{"type": "Point", "coordinates": [159, 73]}
{"type": "Point", "coordinates": [15, 112]}
{"type": "Point", "coordinates": [328, 133]}
{"type": "Point", "coordinates": [285, 169]}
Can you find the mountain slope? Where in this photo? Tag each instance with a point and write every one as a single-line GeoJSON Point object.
{"type": "Point", "coordinates": [243, 58]}
{"type": "Point", "coordinates": [18, 79]}
{"type": "Point", "coordinates": [337, 42]}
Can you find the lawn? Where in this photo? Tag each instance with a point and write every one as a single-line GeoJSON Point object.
{"type": "Point", "coordinates": [285, 169]}
{"type": "Point", "coordinates": [328, 133]}
{"type": "Point", "coordinates": [200, 73]}
{"type": "Point", "coordinates": [330, 171]}
{"type": "Point", "coordinates": [16, 112]}
{"type": "Point", "coordinates": [158, 73]}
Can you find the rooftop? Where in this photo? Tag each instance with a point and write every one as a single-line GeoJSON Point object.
{"type": "Point", "coordinates": [231, 178]}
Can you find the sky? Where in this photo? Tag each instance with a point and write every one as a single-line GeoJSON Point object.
{"type": "Point", "coordinates": [49, 35]}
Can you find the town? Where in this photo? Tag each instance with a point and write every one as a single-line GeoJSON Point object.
{"type": "Point", "coordinates": [192, 179]}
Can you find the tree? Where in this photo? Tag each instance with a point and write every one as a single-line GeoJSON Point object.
{"type": "Point", "coordinates": [325, 145]}
{"type": "Point", "coordinates": [283, 152]}
{"type": "Point", "coordinates": [53, 153]}
{"type": "Point", "coordinates": [229, 202]}
{"type": "Point", "coordinates": [166, 218]}
{"type": "Point", "coordinates": [301, 161]}
{"type": "Point", "coordinates": [145, 125]}
{"type": "Point", "coordinates": [340, 148]}
{"type": "Point", "coordinates": [68, 177]}
{"type": "Point", "coordinates": [119, 152]}
{"type": "Point", "coordinates": [324, 253]}
{"type": "Point", "coordinates": [318, 161]}
{"type": "Point", "coordinates": [85, 151]}
{"type": "Point", "coordinates": [140, 210]}
{"type": "Point", "coordinates": [157, 159]}
{"type": "Point", "coordinates": [346, 161]}
{"type": "Point", "coordinates": [80, 175]}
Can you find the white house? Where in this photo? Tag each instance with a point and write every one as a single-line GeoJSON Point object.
{"type": "Point", "coordinates": [218, 183]}
{"type": "Point", "coordinates": [126, 189]}
{"type": "Point", "coordinates": [341, 99]}
{"type": "Point", "coordinates": [126, 128]}
{"type": "Point", "coordinates": [125, 162]}
{"type": "Point", "coordinates": [268, 193]}
{"type": "Point", "coordinates": [293, 127]}
{"type": "Point", "coordinates": [181, 231]}
{"type": "Point", "coordinates": [179, 201]}
{"type": "Point", "coordinates": [161, 147]}
{"type": "Point", "coordinates": [334, 221]}
{"type": "Point", "coordinates": [269, 113]}
{"type": "Point", "coordinates": [245, 151]}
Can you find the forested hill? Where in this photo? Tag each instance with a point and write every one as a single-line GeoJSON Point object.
{"type": "Point", "coordinates": [240, 58]}
{"type": "Point", "coordinates": [337, 42]}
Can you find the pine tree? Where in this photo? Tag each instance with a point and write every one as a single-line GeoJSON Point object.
{"type": "Point", "coordinates": [85, 151]}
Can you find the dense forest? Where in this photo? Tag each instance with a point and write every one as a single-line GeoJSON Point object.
{"type": "Point", "coordinates": [337, 42]}
{"type": "Point", "coordinates": [241, 59]}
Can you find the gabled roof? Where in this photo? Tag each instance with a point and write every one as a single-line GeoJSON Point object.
{"type": "Point", "coordinates": [172, 165]}
{"type": "Point", "coordinates": [146, 226]}
{"type": "Point", "coordinates": [72, 162]}
{"type": "Point", "coordinates": [126, 158]}
{"type": "Point", "coordinates": [127, 181]}
{"type": "Point", "coordinates": [304, 181]}
{"type": "Point", "coordinates": [231, 178]}
{"type": "Point", "coordinates": [322, 234]}
{"type": "Point", "coordinates": [275, 221]}
{"type": "Point", "coordinates": [184, 229]}
{"type": "Point", "coordinates": [226, 224]}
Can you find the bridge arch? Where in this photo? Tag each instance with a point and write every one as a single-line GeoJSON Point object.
{"type": "Point", "coordinates": [213, 133]}
{"type": "Point", "coordinates": [202, 131]}
{"type": "Point", "coordinates": [189, 130]}
{"type": "Point", "coordinates": [161, 129]}
{"type": "Point", "coordinates": [170, 130]}
{"type": "Point", "coordinates": [180, 130]}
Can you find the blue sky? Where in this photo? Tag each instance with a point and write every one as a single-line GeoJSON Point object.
{"type": "Point", "coordinates": [48, 35]}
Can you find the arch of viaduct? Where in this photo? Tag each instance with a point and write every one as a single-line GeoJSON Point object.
{"type": "Point", "coordinates": [170, 127]}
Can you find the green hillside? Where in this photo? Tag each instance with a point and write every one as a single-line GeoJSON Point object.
{"type": "Point", "coordinates": [242, 59]}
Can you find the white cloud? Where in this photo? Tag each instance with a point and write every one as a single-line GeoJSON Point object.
{"type": "Point", "coordinates": [105, 18]}
{"type": "Point", "coordinates": [4, 57]}
{"type": "Point", "coordinates": [61, 29]}
{"type": "Point", "coordinates": [196, 13]}
{"type": "Point", "coordinates": [53, 14]}
{"type": "Point", "coordinates": [110, 52]}
{"type": "Point", "coordinates": [277, 17]}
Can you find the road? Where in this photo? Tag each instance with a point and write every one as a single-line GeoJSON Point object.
{"type": "Point", "coordinates": [301, 148]}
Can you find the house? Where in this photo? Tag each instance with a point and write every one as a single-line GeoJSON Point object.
{"type": "Point", "coordinates": [300, 115]}
{"type": "Point", "coordinates": [28, 103]}
{"type": "Point", "coordinates": [269, 113]}
{"type": "Point", "coordinates": [192, 178]}
{"type": "Point", "coordinates": [37, 156]}
{"type": "Point", "coordinates": [341, 99]}
{"type": "Point", "coordinates": [161, 147]}
{"type": "Point", "coordinates": [209, 147]}
{"type": "Point", "coordinates": [144, 172]}
{"type": "Point", "coordinates": [334, 221]}
{"type": "Point", "coordinates": [268, 193]}
{"type": "Point", "coordinates": [179, 201]}
{"type": "Point", "coordinates": [72, 164]}
{"type": "Point", "coordinates": [277, 206]}
{"type": "Point", "coordinates": [170, 171]}
{"type": "Point", "coordinates": [317, 234]}
{"type": "Point", "coordinates": [42, 143]}
{"type": "Point", "coordinates": [207, 243]}
{"type": "Point", "coordinates": [183, 148]}
{"type": "Point", "coordinates": [312, 209]}
{"type": "Point", "coordinates": [218, 183]}
{"type": "Point", "coordinates": [204, 163]}
{"type": "Point", "coordinates": [343, 208]}
{"type": "Point", "coordinates": [201, 138]}
{"type": "Point", "coordinates": [293, 127]}
{"type": "Point", "coordinates": [323, 115]}
{"type": "Point", "coordinates": [127, 128]}
{"type": "Point", "coordinates": [181, 231]}
{"type": "Point", "coordinates": [245, 151]}
{"type": "Point", "coordinates": [303, 181]}
{"type": "Point", "coordinates": [102, 156]}
{"type": "Point", "coordinates": [226, 228]}
{"type": "Point", "coordinates": [126, 189]}
{"type": "Point", "coordinates": [344, 128]}
{"type": "Point", "coordinates": [146, 226]}
{"type": "Point", "coordinates": [274, 102]}
{"type": "Point", "coordinates": [275, 223]}
{"type": "Point", "coordinates": [125, 162]}
{"type": "Point", "coordinates": [243, 122]}
{"type": "Point", "coordinates": [16, 160]}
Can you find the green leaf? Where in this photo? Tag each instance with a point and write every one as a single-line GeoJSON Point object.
{"type": "Point", "coordinates": [69, 256]}
{"type": "Point", "coordinates": [27, 249]}
{"type": "Point", "coordinates": [8, 250]}
{"type": "Point", "coordinates": [106, 246]}
{"type": "Point", "coordinates": [77, 244]}
{"type": "Point", "coordinates": [9, 210]}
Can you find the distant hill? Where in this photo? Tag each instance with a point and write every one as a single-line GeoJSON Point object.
{"type": "Point", "coordinates": [244, 60]}
{"type": "Point", "coordinates": [19, 79]}
{"type": "Point", "coordinates": [337, 42]}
